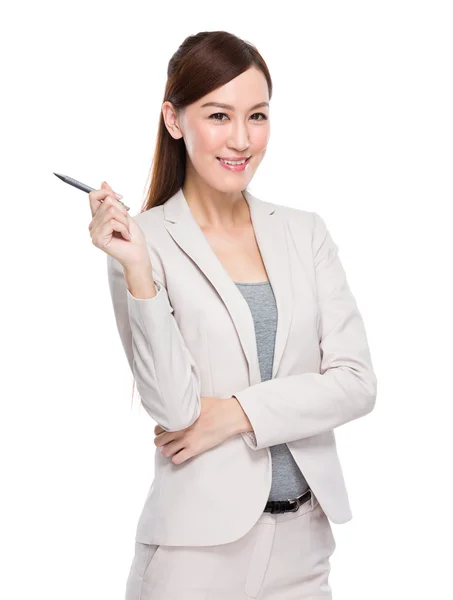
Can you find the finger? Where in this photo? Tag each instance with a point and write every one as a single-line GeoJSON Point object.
{"type": "Point", "coordinates": [115, 225]}
{"type": "Point", "coordinates": [96, 197]}
{"type": "Point", "coordinates": [103, 235]}
{"type": "Point", "coordinates": [111, 210]}
{"type": "Point", "coordinates": [166, 437]}
{"type": "Point", "coordinates": [119, 197]}
{"type": "Point", "coordinates": [105, 214]}
{"type": "Point", "coordinates": [106, 186]}
{"type": "Point", "coordinates": [110, 201]}
{"type": "Point", "coordinates": [172, 447]}
{"type": "Point", "coordinates": [182, 456]}
{"type": "Point", "coordinates": [159, 440]}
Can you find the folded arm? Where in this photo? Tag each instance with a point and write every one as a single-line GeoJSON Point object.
{"type": "Point", "coordinates": [290, 408]}
{"type": "Point", "coordinates": [166, 375]}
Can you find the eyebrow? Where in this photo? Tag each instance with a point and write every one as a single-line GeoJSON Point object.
{"type": "Point", "coordinates": [222, 105]}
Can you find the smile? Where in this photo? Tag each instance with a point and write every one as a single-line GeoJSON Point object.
{"type": "Point", "coordinates": [234, 165]}
{"type": "Point", "coordinates": [233, 162]}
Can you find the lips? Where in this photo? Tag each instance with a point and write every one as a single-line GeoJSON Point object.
{"type": "Point", "coordinates": [235, 159]}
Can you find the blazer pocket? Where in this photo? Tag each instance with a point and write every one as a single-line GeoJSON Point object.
{"type": "Point", "coordinates": [145, 555]}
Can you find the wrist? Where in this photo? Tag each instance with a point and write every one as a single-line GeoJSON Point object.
{"type": "Point", "coordinates": [240, 422]}
{"type": "Point", "coordinates": [140, 266]}
{"type": "Point", "coordinates": [139, 280]}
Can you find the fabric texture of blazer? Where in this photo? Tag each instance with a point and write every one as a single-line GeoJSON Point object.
{"type": "Point", "coordinates": [196, 338]}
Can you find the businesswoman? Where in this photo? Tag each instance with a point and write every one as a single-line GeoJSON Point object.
{"type": "Point", "coordinates": [245, 343]}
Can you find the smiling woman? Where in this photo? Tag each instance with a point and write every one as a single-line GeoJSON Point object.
{"type": "Point", "coordinates": [235, 139]}
{"type": "Point", "coordinates": [191, 138]}
{"type": "Point", "coordinates": [247, 380]}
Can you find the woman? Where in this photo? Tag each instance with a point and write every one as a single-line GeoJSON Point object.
{"type": "Point", "coordinates": [246, 346]}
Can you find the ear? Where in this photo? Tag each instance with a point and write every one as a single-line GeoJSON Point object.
{"type": "Point", "coordinates": [171, 120]}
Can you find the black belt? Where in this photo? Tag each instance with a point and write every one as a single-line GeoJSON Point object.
{"type": "Point", "coordinates": [281, 506]}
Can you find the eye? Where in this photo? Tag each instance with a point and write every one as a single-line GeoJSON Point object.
{"type": "Point", "coordinates": [260, 114]}
{"type": "Point", "coordinates": [221, 120]}
{"type": "Point", "coordinates": [215, 115]}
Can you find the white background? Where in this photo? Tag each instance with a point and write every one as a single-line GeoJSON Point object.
{"type": "Point", "coordinates": [361, 133]}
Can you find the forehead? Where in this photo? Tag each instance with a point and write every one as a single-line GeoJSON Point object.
{"type": "Point", "coordinates": [247, 91]}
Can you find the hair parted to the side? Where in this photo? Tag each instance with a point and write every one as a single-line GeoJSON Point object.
{"type": "Point", "coordinates": [201, 64]}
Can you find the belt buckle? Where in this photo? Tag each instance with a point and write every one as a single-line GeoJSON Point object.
{"type": "Point", "coordinates": [297, 504]}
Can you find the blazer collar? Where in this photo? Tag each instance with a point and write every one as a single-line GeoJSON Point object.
{"type": "Point", "coordinates": [272, 238]}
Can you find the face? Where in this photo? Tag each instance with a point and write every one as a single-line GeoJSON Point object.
{"type": "Point", "coordinates": [213, 132]}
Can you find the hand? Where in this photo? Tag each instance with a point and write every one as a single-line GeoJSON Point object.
{"type": "Point", "coordinates": [110, 227]}
{"type": "Point", "coordinates": [214, 425]}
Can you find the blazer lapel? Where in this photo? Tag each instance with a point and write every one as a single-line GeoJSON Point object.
{"type": "Point", "coordinates": [271, 235]}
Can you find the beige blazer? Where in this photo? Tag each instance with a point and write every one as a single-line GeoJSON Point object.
{"type": "Point", "coordinates": [196, 338]}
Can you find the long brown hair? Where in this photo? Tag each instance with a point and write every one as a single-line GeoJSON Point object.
{"type": "Point", "coordinates": [201, 64]}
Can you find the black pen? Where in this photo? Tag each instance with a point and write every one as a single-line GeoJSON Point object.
{"type": "Point", "coordinates": [81, 186]}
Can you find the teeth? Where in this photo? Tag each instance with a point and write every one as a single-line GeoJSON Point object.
{"type": "Point", "coordinates": [233, 162]}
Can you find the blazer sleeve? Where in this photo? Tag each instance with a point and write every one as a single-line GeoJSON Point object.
{"type": "Point", "coordinates": [167, 377]}
{"type": "Point", "coordinates": [290, 408]}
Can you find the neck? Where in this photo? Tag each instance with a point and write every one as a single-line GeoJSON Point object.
{"type": "Point", "coordinates": [212, 208]}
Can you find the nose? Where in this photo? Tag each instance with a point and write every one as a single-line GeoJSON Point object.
{"type": "Point", "coordinates": [239, 137]}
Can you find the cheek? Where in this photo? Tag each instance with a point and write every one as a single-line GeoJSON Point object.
{"type": "Point", "coordinates": [214, 138]}
{"type": "Point", "coordinates": [205, 141]}
{"type": "Point", "coordinates": [261, 138]}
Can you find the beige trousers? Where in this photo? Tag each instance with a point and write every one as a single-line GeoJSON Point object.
{"type": "Point", "coordinates": [283, 557]}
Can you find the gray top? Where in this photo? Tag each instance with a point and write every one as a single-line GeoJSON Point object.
{"type": "Point", "coordinates": [287, 479]}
